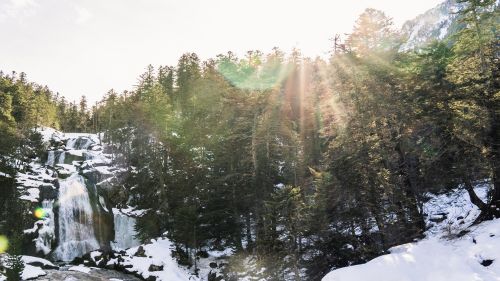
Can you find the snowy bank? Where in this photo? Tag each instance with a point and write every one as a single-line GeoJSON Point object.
{"type": "Point", "coordinates": [453, 250]}
{"type": "Point", "coordinates": [472, 257]}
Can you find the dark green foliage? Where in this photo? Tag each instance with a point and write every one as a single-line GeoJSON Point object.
{"type": "Point", "coordinates": [15, 267]}
{"type": "Point", "coordinates": [14, 263]}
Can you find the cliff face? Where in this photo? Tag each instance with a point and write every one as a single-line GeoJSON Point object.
{"type": "Point", "coordinates": [437, 23]}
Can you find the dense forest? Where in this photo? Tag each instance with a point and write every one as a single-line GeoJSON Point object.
{"type": "Point", "coordinates": [299, 165]}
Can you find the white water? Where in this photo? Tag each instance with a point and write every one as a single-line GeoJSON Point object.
{"type": "Point", "coordinates": [78, 143]}
{"type": "Point", "coordinates": [50, 158]}
{"type": "Point", "coordinates": [71, 143]}
{"type": "Point", "coordinates": [61, 158]}
{"type": "Point", "coordinates": [43, 242]}
{"type": "Point", "coordinates": [124, 231]}
{"type": "Point", "coordinates": [76, 228]}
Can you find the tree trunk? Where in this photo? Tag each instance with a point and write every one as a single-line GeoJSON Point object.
{"type": "Point", "coordinates": [474, 199]}
{"type": "Point", "coordinates": [494, 204]}
{"type": "Point", "coordinates": [248, 231]}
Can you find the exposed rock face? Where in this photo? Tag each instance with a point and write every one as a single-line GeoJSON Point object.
{"type": "Point", "coordinates": [436, 23]}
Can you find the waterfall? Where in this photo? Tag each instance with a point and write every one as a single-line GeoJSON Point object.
{"type": "Point", "coordinates": [50, 158]}
{"type": "Point", "coordinates": [76, 229]}
{"type": "Point", "coordinates": [124, 231]}
{"type": "Point", "coordinates": [60, 160]}
{"type": "Point", "coordinates": [78, 143]}
{"type": "Point", "coordinates": [71, 143]}
{"type": "Point", "coordinates": [43, 242]}
{"type": "Point", "coordinates": [84, 222]}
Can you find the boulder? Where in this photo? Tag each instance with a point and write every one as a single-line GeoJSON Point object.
{"type": "Point", "coordinates": [154, 267]}
{"type": "Point", "coordinates": [140, 252]}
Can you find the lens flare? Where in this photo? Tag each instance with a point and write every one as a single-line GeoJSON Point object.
{"type": "Point", "coordinates": [4, 244]}
{"type": "Point", "coordinates": [39, 213]}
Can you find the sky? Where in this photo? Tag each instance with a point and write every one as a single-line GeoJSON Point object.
{"type": "Point", "coordinates": [86, 47]}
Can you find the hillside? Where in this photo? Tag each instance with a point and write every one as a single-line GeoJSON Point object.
{"type": "Point", "coordinates": [452, 250]}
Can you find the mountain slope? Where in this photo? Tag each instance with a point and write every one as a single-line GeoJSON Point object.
{"type": "Point", "coordinates": [435, 24]}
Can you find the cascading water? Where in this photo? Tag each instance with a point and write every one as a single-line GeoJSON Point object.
{"type": "Point", "coordinates": [51, 158]}
{"type": "Point", "coordinates": [124, 231]}
{"type": "Point", "coordinates": [60, 160]}
{"type": "Point", "coordinates": [71, 143]}
{"type": "Point", "coordinates": [43, 242]}
{"type": "Point", "coordinates": [76, 229]}
{"type": "Point", "coordinates": [78, 143]}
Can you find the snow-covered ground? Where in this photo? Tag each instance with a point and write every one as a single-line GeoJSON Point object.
{"type": "Point", "coordinates": [155, 260]}
{"type": "Point", "coordinates": [453, 249]}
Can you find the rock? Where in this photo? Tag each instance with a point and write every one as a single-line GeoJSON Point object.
{"type": "Point", "coordinates": [110, 266]}
{"type": "Point", "coordinates": [43, 265]}
{"type": "Point", "coordinates": [202, 254]}
{"type": "Point", "coordinates": [48, 191]}
{"type": "Point", "coordinates": [213, 265]}
{"type": "Point", "coordinates": [140, 252]}
{"type": "Point", "coordinates": [103, 262]}
{"type": "Point", "coordinates": [151, 278]}
{"type": "Point", "coordinates": [486, 263]}
{"type": "Point", "coordinates": [212, 276]}
{"type": "Point", "coordinates": [98, 258]}
{"type": "Point", "coordinates": [155, 267]}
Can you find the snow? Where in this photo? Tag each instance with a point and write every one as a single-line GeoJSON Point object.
{"type": "Point", "coordinates": [220, 254]}
{"type": "Point", "coordinates": [456, 209]}
{"type": "Point", "coordinates": [49, 133]}
{"type": "Point", "coordinates": [132, 212]}
{"type": "Point", "coordinates": [80, 268]}
{"type": "Point", "coordinates": [433, 24]}
{"type": "Point", "coordinates": [33, 195]}
{"type": "Point", "coordinates": [2, 174]}
{"type": "Point", "coordinates": [453, 249]}
{"type": "Point", "coordinates": [30, 260]}
{"type": "Point", "coordinates": [29, 183]}
{"type": "Point", "coordinates": [157, 253]}
{"type": "Point", "coordinates": [31, 272]}
{"type": "Point", "coordinates": [434, 259]}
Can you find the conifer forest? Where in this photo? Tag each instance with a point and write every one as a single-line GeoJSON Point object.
{"type": "Point", "coordinates": [267, 165]}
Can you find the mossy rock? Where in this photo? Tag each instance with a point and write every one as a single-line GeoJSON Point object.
{"type": "Point", "coordinates": [69, 158]}
{"type": "Point", "coordinates": [63, 176]}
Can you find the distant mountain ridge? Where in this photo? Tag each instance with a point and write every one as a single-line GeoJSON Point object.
{"type": "Point", "coordinates": [435, 24]}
